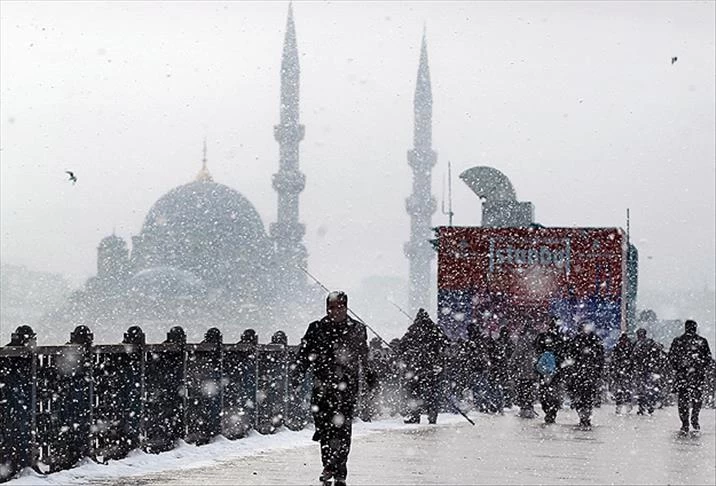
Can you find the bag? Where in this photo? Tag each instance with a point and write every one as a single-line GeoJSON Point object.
{"type": "Point", "coordinates": [546, 364]}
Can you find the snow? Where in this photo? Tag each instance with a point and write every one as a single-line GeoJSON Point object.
{"type": "Point", "coordinates": [188, 456]}
{"type": "Point", "coordinates": [621, 449]}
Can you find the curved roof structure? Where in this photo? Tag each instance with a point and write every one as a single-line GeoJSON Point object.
{"type": "Point", "coordinates": [489, 183]}
{"type": "Point", "coordinates": [210, 230]}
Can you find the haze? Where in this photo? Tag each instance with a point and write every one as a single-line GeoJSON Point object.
{"type": "Point", "coordinates": [579, 104]}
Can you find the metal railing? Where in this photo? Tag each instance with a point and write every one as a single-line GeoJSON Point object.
{"type": "Point", "coordinates": [60, 404]}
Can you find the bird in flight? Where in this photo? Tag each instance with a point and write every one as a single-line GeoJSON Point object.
{"type": "Point", "coordinates": [674, 59]}
{"type": "Point", "coordinates": [72, 176]}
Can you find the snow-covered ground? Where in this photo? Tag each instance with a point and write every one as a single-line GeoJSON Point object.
{"type": "Point", "coordinates": [188, 456]}
{"type": "Point", "coordinates": [505, 449]}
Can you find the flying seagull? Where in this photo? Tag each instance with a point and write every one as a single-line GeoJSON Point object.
{"type": "Point", "coordinates": [72, 176]}
{"type": "Point", "coordinates": [674, 59]}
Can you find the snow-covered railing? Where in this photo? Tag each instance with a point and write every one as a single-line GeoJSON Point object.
{"type": "Point", "coordinates": [59, 404]}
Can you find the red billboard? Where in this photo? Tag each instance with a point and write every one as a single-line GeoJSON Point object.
{"type": "Point", "coordinates": [506, 276]}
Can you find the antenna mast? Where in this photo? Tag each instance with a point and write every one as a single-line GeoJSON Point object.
{"type": "Point", "coordinates": [449, 212]}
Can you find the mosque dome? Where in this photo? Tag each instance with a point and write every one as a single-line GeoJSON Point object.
{"type": "Point", "coordinates": [211, 231]}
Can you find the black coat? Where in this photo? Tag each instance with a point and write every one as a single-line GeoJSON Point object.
{"type": "Point", "coordinates": [689, 357]}
{"type": "Point", "coordinates": [620, 363]}
{"type": "Point", "coordinates": [645, 357]}
{"type": "Point", "coordinates": [336, 352]}
{"type": "Point", "coordinates": [422, 348]}
{"type": "Point", "coordinates": [587, 357]}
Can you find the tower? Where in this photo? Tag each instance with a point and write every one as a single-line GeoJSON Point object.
{"type": "Point", "coordinates": [289, 182]}
{"type": "Point", "coordinates": [421, 204]}
{"type": "Point", "coordinates": [112, 260]}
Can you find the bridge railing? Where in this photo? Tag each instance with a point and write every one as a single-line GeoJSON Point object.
{"type": "Point", "coordinates": [60, 404]}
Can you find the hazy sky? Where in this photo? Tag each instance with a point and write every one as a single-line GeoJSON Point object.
{"type": "Point", "coordinates": [577, 103]}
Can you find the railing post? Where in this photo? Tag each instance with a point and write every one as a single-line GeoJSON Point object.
{"type": "Point", "coordinates": [204, 388]}
{"type": "Point", "coordinates": [18, 404]}
{"type": "Point", "coordinates": [271, 387]}
{"type": "Point", "coordinates": [166, 392]}
{"type": "Point", "coordinates": [298, 404]}
{"type": "Point", "coordinates": [134, 342]}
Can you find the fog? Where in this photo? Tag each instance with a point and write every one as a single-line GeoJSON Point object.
{"type": "Point", "coordinates": [579, 104]}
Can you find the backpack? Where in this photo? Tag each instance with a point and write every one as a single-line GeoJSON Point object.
{"type": "Point", "coordinates": [546, 364]}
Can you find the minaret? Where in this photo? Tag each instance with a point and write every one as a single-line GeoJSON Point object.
{"type": "Point", "coordinates": [421, 204]}
{"type": "Point", "coordinates": [288, 182]}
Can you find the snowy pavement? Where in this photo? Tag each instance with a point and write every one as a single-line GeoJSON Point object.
{"type": "Point", "coordinates": [505, 449]}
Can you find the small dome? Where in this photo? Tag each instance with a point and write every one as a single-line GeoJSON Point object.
{"type": "Point", "coordinates": [112, 241]}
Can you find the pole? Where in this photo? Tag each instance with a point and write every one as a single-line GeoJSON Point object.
{"type": "Point", "coordinates": [356, 316]}
{"type": "Point", "coordinates": [400, 309]}
{"type": "Point", "coordinates": [450, 213]}
{"type": "Point", "coordinates": [457, 409]}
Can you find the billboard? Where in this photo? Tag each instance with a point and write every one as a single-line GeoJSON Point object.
{"type": "Point", "coordinates": [491, 277]}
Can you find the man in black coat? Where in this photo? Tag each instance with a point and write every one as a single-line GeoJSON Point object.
{"type": "Point", "coordinates": [336, 349]}
{"type": "Point", "coordinates": [689, 357]}
{"type": "Point", "coordinates": [587, 357]}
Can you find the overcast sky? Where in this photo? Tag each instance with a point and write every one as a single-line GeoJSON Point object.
{"type": "Point", "coordinates": [577, 103]}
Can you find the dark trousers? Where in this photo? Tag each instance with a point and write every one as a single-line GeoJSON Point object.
{"type": "Point", "coordinates": [525, 395]}
{"type": "Point", "coordinates": [689, 397]}
{"type": "Point", "coordinates": [550, 397]}
{"type": "Point", "coordinates": [645, 392]}
{"type": "Point", "coordinates": [621, 388]}
{"type": "Point", "coordinates": [422, 397]}
{"type": "Point", "coordinates": [333, 418]}
{"type": "Point", "coordinates": [584, 401]}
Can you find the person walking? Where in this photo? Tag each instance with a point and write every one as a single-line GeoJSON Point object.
{"type": "Point", "coordinates": [689, 356]}
{"type": "Point", "coordinates": [645, 358]}
{"type": "Point", "coordinates": [587, 357]}
{"type": "Point", "coordinates": [620, 373]}
{"type": "Point", "coordinates": [523, 371]}
{"type": "Point", "coordinates": [549, 347]}
{"type": "Point", "coordinates": [422, 349]}
{"type": "Point", "coordinates": [336, 349]}
{"type": "Point", "coordinates": [500, 371]}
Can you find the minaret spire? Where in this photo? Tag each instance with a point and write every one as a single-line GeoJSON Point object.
{"type": "Point", "coordinates": [421, 204]}
{"type": "Point", "coordinates": [204, 174]}
{"type": "Point", "coordinates": [289, 182]}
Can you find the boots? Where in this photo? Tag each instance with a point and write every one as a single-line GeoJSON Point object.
{"type": "Point", "coordinates": [326, 476]}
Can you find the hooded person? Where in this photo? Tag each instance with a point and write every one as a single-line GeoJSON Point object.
{"type": "Point", "coordinates": [422, 350]}
{"type": "Point", "coordinates": [689, 356]}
